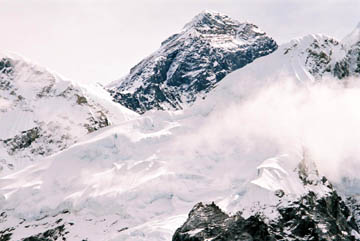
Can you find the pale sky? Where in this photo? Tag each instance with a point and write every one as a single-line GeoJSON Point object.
{"type": "Point", "coordinates": [100, 40]}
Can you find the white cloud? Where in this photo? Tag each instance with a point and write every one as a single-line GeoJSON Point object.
{"type": "Point", "coordinates": [283, 118]}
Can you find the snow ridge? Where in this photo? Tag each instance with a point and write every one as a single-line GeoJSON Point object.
{"type": "Point", "coordinates": [45, 114]}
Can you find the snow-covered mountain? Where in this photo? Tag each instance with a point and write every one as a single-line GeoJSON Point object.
{"type": "Point", "coordinates": [189, 64]}
{"type": "Point", "coordinates": [309, 60]}
{"type": "Point", "coordinates": [260, 143]}
{"type": "Point", "coordinates": [41, 114]}
{"type": "Point", "coordinates": [324, 56]}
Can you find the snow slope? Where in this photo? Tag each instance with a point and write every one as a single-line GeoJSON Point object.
{"type": "Point", "coordinates": [41, 113]}
{"type": "Point", "coordinates": [353, 38]}
{"type": "Point", "coordinates": [239, 147]}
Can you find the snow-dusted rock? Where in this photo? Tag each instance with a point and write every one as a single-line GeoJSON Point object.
{"type": "Point", "coordinates": [189, 64]}
{"type": "Point", "coordinates": [41, 113]}
{"type": "Point", "coordinates": [315, 212]}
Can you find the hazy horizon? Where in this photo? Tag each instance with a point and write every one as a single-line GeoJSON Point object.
{"type": "Point", "coordinates": [99, 41]}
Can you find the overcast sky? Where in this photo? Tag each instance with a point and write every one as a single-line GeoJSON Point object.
{"type": "Point", "coordinates": [100, 40]}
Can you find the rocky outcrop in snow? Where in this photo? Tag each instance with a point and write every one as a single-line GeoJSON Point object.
{"type": "Point", "coordinates": [308, 218]}
{"type": "Point", "coordinates": [41, 114]}
{"type": "Point", "coordinates": [208, 222]}
{"type": "Point", "coordinates": [324, 56]}
{"type": "Point", "coordinates": [313, 215]}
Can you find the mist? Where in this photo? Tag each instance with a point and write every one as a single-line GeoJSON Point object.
{"type": "Point", "coordinates": [279, 118]}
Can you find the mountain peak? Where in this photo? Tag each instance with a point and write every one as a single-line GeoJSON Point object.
{"type": "Point", "coordinates": [42, 100]}
{"type": "Point", "coordinates": [208, 14]}
{"type": "Point", "coordinates": [190, 64]}
{"type": "Point", "coordinates": [207, 20]}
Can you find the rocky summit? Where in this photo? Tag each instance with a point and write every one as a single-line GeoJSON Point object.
{"type": "Point", "coordinates": [316, 213]}
{"type": "Point", "coordinates": [189, 64]}
{"type": "Point", "coordinates": [208, 222]}
{"type": "Point", "coordinates": [308, 218]}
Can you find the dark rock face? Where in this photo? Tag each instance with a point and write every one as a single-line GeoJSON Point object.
{"type": "Point", "coordinates": [312, 218]}
{"type": "Point", "coordinates": [308, 218]}
{"type": "Point", "coordinates": [208, 222]}
{"type": "Point", "coordinates": [318, 214]}
{"type": "Point", "coordinates": [5, 235]}
{"type": "Point", "coordinates": [6, 69]}
{"type": "Point", "coordinates": [97, 122]}
{"type": "Point", "coordinates": [190, 64]}
{"type": "Point", "coordinates": [24, 140]}
{"type": "Point", "coordinates": [49, 235]}
{"type": "Point", "coordinates": [320, 55]}
{"type": "Point", "coordinates": [350, 65]}
{"type": "Point", "coordinates": [5, 66]}
{"type": "Point", "coordinates": [352, 202]}
{"type": "Point", "coordinates": [46, 228]}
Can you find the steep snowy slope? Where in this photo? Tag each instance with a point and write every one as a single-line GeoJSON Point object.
{"type": "Point", "coordinates": [351, 63]}
{"type": "Point", "coordinates": [312, 59]}
{"type": "Point", "coordinates": [135, 181]}
{"type": "Point", "coordinates": [353, 38]}
{"type": "Point", "coordinates": [189, 64]}
{"type": "Point", "coordinates": [120, 178]}
{"type": "Point", "coordinates": [41, 114]}
{"type": "Point", "coordinates": [242, 147]}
